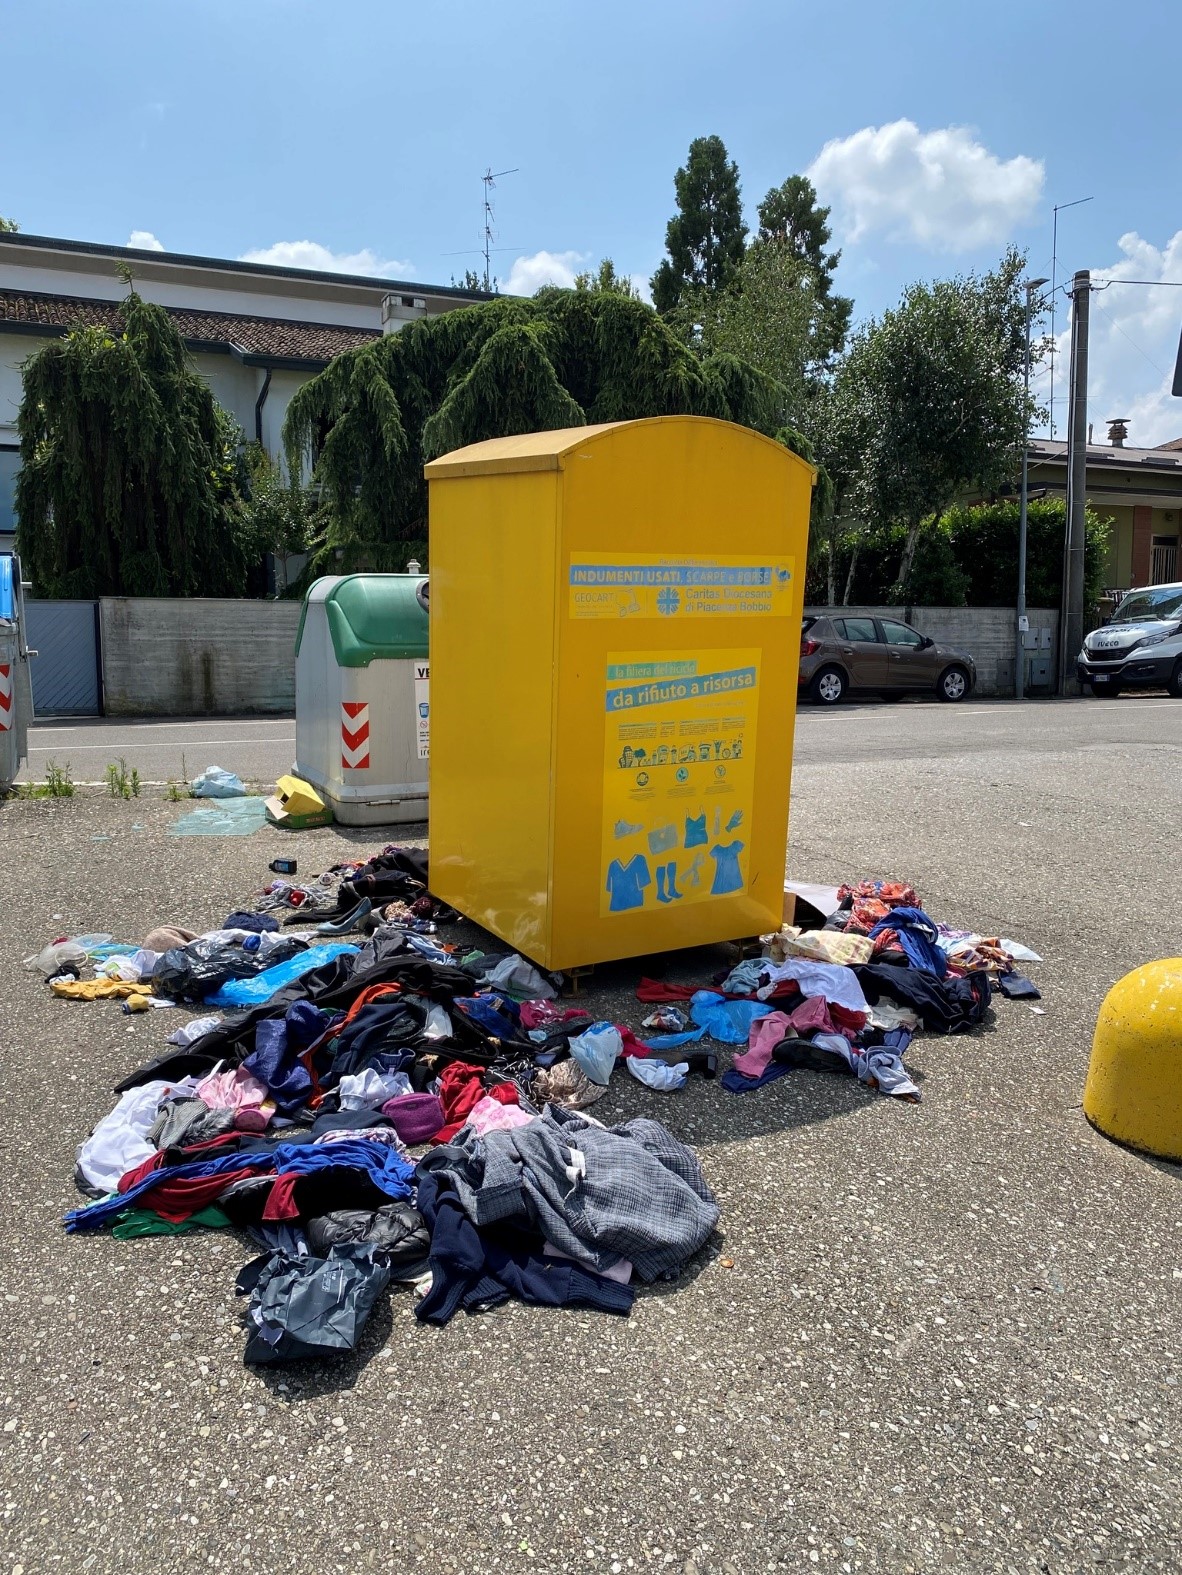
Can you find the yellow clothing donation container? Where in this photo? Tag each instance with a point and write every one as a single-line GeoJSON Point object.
{"type": "Point", "coordinates": [615, 642]}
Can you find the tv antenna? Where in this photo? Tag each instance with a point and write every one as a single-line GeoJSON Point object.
{"type": "Point", "coordinates": [490, 181]}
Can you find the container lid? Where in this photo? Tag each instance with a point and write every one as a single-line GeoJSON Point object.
{"type": "Point", "coordinates": [371, 617]}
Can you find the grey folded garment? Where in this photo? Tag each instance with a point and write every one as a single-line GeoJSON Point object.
{"type": "Point", "coordinates": [181, 1122]}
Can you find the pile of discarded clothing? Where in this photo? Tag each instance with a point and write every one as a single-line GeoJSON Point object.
{"type": "Point", "coordinates": [846, 993]}
{"type": "Point", "coordinates": [394, 1108]}
{"type": "Point", "coordinates": [292, 1114]}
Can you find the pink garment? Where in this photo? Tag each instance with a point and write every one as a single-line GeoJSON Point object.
{"type": "Point", "coordinates": [490, 1115]}
{"type": "Point", "coordinates": [763, 1036]}
{"type": "Point", "coordinates": [240, 1092]}
{"type": "Point", "coordinates": [810, 1017]}
{"type": "Point", "coordinates": [543, 1014]}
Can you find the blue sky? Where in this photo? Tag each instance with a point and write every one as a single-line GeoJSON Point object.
{"type": "Point", "coordinates": [354, 134]}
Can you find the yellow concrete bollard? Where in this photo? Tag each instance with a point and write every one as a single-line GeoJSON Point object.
{"type": "Point", "coordinates": [1134, 1087]}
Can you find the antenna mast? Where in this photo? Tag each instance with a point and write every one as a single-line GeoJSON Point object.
{"type": "Point", "coordinates": [490, 180]}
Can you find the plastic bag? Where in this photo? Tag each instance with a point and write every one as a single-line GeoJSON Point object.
{"type": "Point", "coordinates": [56, 956]}
{"type": "Point", "coordinates": [311, 1306]}
{"type": "Point", "coordinates": [596, 1051]}
{"type": "Point", "coordinates": [190, 973]}
{"type": "Point", "coordinates": [215, 782]}
{"type": "Point", "coordinates": [254, 989]}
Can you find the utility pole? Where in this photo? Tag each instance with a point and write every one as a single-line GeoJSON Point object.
{"type": "Point", "coordinates": [1023, 623]}
{"type": "Point", "coordinates": [1071, 617]}
{"type": "Point", "coordinates": [1059, 206]}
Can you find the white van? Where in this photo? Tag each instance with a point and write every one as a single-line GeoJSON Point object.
{"type": "Point", "coordinates": [1140, 647]}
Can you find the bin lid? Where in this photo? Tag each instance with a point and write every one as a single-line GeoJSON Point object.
{"type": "Point", "coordinates": [371, 617]}
{"type": "Point", "coordinates": [533, 451]}
{"type": "Point", "coordinates": [7, 585]}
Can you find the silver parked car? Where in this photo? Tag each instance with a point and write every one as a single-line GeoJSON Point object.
{"type": "Point", "coordinates": [1140, 647]}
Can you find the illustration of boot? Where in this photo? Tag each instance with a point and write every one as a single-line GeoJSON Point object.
{"type": "Point", "coordinates": [671, 880]}
{"type": "Point", "coordinates": [661, 897]}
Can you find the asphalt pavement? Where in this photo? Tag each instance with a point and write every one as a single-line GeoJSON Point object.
{"type": "Point", "coordinates": [927, 1336]}
{"type": "Point", "coordinates": [258, 748]}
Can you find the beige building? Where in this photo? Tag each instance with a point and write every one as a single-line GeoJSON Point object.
{"type": "Point", "coordinates": [1140, 489]}
{"type": "Point", "coordinates": [256, 332]}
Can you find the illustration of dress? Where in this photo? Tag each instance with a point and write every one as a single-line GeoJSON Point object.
{"type": "Point", "coordinates": [727, 877]}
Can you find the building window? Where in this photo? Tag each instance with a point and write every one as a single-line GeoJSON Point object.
{"type": "Point", "coordinates": [10, 463]}
{"type": "Point", "coordinates": [1163, 567]}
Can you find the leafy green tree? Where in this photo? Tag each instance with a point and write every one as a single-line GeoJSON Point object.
{"type": "Point", "coordinates": [276, 514]}
{"type": "Point", "coordinates": [790, 217]}
{"type": "Point", "coordinates": [129, 468]}
{"type": "Point", "coordinates": [705, 237]}
{"type": "Point", "coordinates": [369, 421]}
{"type": "Point", "coordinates": [767, 314]}
{"type": "Point", "coordinates": [472, 281]}
{"type": "Point", "coordinates": [8, 226]}
{"type": "Point", "coordinates": [606, 281]}
{"type": "Point", "coordinates": [927, 401]}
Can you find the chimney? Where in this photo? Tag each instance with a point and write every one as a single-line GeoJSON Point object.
{"type": "Point", "coordinates": [398, 310]}
{"type": "Point", "coordinates": [1118, 430]}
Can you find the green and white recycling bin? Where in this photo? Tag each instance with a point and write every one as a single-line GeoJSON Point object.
{"type": "Point", "coordinates": [362, 707]}
{"type": "Point", "coordinates": [16, 690]}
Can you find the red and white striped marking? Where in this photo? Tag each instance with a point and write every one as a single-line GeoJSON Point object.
{"type": "Point", "coordinates": [5, 697]}
{"type": "Point", "coordinates": [355, 734]}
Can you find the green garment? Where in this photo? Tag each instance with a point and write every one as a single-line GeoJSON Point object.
{"type": "Point", "coordinates": [146, 1222]}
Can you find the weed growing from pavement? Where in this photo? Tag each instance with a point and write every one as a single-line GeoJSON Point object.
{"type": "Point", "coordinates": [122, 783]}
{"type": "Point", "coordinates": [58, 784]}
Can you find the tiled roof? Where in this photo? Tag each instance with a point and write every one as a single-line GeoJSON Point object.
{"type": "Point", "coordinates": [265, 338]}
{"type": "Point", "coordinates": [1173, 443]}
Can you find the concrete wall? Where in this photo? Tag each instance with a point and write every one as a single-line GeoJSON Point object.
{"type": "Point", "coordinates": [198, 657]}
{"type": "Point", "coordinates": [984, 633]}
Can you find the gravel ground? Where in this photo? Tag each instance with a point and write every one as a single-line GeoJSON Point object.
{"type": "Point", "coordinates": [924, 1336]}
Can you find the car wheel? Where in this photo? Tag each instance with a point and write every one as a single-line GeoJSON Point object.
{"type": "Point", "coordinates": [954, 684]}
{"type": "Point", "coordinates": [1174, 682]}
{"type": "Point", "coordinates": [829, 686]}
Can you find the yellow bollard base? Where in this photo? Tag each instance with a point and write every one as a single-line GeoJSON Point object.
{"type": "Point", "coordinates": [1133, 1092]}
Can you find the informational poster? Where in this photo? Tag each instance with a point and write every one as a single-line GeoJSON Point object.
{"type": "Point", "coordinates": [423, 708]}
{"type": "Point", "coordinates": [625, 586]}
{"type": "Point", "coordinates": [678, 776]}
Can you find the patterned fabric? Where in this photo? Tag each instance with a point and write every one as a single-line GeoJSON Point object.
{"type": "Point", "coordinates": [597, 1193]}
{"type": "Point", "coordinates": [566, 1084]}
{"type": "Point", "coordinates": [830, 946]}
{"type": "Point", "coordinates": [872, 902]}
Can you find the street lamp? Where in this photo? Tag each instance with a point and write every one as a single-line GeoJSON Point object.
{"type": "Point", "coordinates": [1022, 622]}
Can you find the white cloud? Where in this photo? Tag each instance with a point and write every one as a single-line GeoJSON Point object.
{"type": "Point", "coordinates": [941, 189]}
{"type": "Point", "coordinates": [529, 274]}
{"type": "Point", "coordinates": [1132, 344]}
{"type": "Point", "coordinates": [310, 254]}
{"type": "Point", "coordinates": [144, 241]}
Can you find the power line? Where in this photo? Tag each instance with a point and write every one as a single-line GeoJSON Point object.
{"type": "Point", "coordinates": [1109, 317]}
